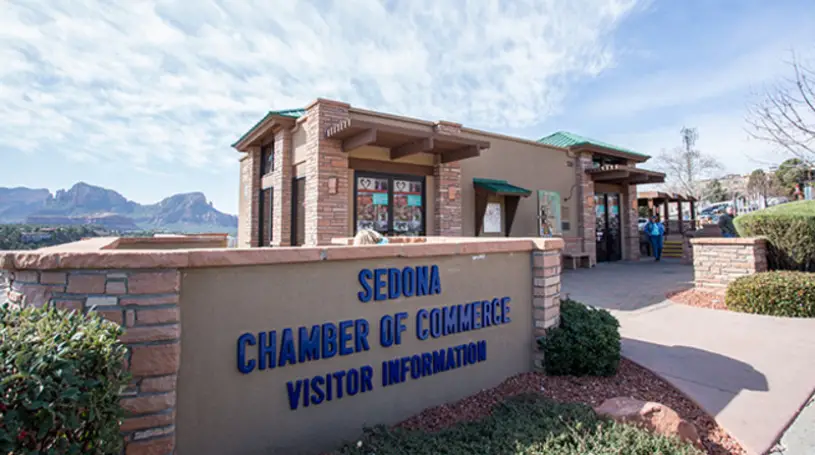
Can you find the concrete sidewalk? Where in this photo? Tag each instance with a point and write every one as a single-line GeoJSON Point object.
{"type": "Point", "coordinates": [751, 373]}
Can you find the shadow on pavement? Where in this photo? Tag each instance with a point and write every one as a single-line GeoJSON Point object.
{"type": "Point", "coordinates": [711, 380]}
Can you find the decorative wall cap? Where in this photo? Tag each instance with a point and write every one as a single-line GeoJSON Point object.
{"type": "Point", "coordinates": [728, 240]}
{"type": "Point", "coordinates": [83, 257]}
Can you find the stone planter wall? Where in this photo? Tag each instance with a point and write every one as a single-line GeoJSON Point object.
{"type": "Point", "coordinates": [717, 261]}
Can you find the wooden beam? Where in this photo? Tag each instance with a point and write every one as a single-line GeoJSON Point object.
{"type": "Point", "coordinates": [389, 167]}
{"type": "Point", "coordinates": [460, 154]}
{"type": "Point", "coordinates": [364, 138]}
{"type": "Point", "coordinates": [481, 198]}
{"type": "Point", "coordinates": [418, 146]}
{"type": "Point", "coordinates": [510, 207]}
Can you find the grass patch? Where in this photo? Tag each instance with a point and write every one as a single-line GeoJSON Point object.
{"type": "Point", "coordinates": [523, 425]}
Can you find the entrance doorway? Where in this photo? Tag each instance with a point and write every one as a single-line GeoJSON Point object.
{"type": "Point", "coordinates": [391, 204]}
{"type": "Point", "coordinates": [607, 229]}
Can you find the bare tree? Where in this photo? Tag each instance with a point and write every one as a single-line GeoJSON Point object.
{"type": "Point", "coordinates": [785, 116]}
{"type": "Point", "coordinates": [685, 166]}
{"type": "Point", "coordinates": [758, 184]}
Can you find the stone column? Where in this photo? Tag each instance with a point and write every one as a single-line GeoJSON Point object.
{"type": "Point", "coordinates": [249, 198]}
{"type": "Point", "coordinates": [145, 304]}
{"type": "Point", "coordinates": [326, 214]}
{"type": "Point", "coordinates": [588, 219]}
{"type": "Point", "coordinates": [447, 207]}
{"type": "Point", "coordinates": [546, 267]}
{"type": "Point", "coordinates": [282, 178]}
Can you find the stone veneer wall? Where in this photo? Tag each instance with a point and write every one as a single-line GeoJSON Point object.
{"type": "Point", "coordinates": [631, 232]}
{"type": "Point", "coordinates": [145, 304]}
{"type": "Point", "coordinates": [282, 181]}
{"type": "Point", "coordinates": [546, 267]}
{"type": "Point", "coordinates": [718, 261]}
{"type": "Point", "coordinates": [587, 220]}
{"type": "Point", "coordinates": [249, 198]}
{"type": "Point", "coordinates": [447, 206]}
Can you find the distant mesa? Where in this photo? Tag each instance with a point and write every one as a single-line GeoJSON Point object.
{"type": "Point", "coordinates": [88, 204]}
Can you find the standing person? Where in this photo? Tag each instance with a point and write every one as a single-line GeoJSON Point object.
{"type": "Point", "coordinates": [726, 223]}
{"type": "Point", "coordinates": [655, 231]}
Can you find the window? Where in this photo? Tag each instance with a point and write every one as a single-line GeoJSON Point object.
{"type": "Point", "coordinates": [267, 158]}
{"type": "Point", "coordinates": [389, 204]}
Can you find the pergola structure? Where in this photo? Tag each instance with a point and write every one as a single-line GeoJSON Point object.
{"type": "Point", "coordinates": [655, 199]}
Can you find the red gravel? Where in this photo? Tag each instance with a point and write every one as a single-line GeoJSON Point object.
{"type": "Point", "coordinates": [699, 298]}
{"type": "Point", "coordinates": [630, 381]}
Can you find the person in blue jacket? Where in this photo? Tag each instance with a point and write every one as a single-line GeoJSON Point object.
{"type": "Point", "coordinates": [655, 231]}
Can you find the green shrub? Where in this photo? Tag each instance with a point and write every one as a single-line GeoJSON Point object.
{"type": "Point", "coordinates": [525, 424]}
{"type": "Point", "coordinates": [587, 342]}
{"type": "Point", "coordinates": [60, 377]}
{"type": "Point", "coordinates": [780, 293]}
{"type": "Point", "coordinates": [790, 230]}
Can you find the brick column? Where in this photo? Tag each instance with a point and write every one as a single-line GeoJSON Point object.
{"type": "Point", "coordinates": [631, 232]}
{"type": "Point", "coordinates": [546, 267]}
{"type": "Point", "coordinates": [326, 214]}
{"type": "Point", "coordinates": [447, 207]}
{"type": "Point", "coordinates": [145, 304]}
{"type": "Point", "coordinates": [282, 178]}
{"type": "Point", "coordinates": [248, 233]}
{"type": "Point", "coordinates": [588, 219]}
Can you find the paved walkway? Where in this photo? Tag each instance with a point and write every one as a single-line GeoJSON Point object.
{"type": "Point", "coordinates": [752, 373]}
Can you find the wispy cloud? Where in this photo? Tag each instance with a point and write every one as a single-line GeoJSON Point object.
{"type": "Point", "coordinates": [174, 83]}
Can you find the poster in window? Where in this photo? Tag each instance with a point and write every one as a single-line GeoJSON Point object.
{"type": "Point", "coordinates": [549, 213]}
{"type": "Point", "coordinates": [492, 218]}
{"type": "Point", "coordinates": [408, 214]}
{"type": "Point", "coordinates": [372, 204]}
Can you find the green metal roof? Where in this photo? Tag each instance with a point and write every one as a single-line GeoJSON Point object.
{"type": "Point", "coordinates": [566, 139]}
{"type": "Point", "coordinates": [292, 113]}
{"type": "Point", "coordinates": [501, 187]}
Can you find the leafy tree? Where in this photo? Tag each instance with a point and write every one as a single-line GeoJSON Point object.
{"type": "Point", "coordinates": [684, 166]}
{"type": "Point", "coordinates": [714, 192]}
{"type": "Point", "coordinates": [790, 174]}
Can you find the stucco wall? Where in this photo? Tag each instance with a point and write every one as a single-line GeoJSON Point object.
{"type": "Point", "coordinates": [250, 413]}
{"type": "Point", "coordinates": [526, 165]}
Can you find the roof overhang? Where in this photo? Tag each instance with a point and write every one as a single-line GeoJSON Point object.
{"type": "Point", "coordinates": [500, 188]}
{"type": "Point", "coordinates": [267, 124]}
{"type": "Point", "coordinates": [404, 142]}
{"type": "Point", "coordinates": [665, 197]}
{"type": "Point", "coordinates": [628, 175]}
{"type": "Point", "coordinates": [596, 149]}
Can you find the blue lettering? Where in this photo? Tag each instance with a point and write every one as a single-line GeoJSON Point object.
{"type": "Point", "coordinates": [267, 350]}
{"type": "Point", "coordinates": [422, 283]}
{"type": "Point", "coordinates": [379, 283]}
{"type": "Point", "coordinates": [288, 355]}
{"type": "Point", "coordinates": [394, 284]}
{"type": "Point", "coordinates": [408, 282]}
{"type": "Point", "coordinates": [385, 376]}
{"type": "Point", "coordinates": [294, 393]}
{"type": "Point", "coordinates": [482, 350]}
{"type": "Point", "coordinates": [318, 396]}
{"type": "Point", "coordinates": [476, 315]}
{"type": "Point", "coordinates": [404, 366]}
{"type": "Point", "coordinates": [439, 362]}
{"type": "Point", "coordinates": [345, 337]}
{"type": "Point", "coordinates": [496, 315]}
{"type": "Point", "coordinates": [451, 319]}
{"type": "Point", "coordinates": [361, 328]}
{"type": "Point", "coordinates": [329, 340]}
{"type": "Point", "coordinates": [427, 364]}
{"type": "Point", "coordinates": [505, 310]}
{"type": "Point", "coordinates": [244, 366]}
{"type": "Point", "coordinates": [352, 382]}
{"type": "Point", "coordinates": [435, 323]}
{"type": "Point", "coordinates": [338, 377]}
{"type": "Point", "coordinates": [435, 280]}
{"type": "Point", "coordinates": [367, 378]}
{"type": "Point", "coordinates": [309, 343]}
{"type": "Point", "coordinates": [364, 295]}
{"type": "Point", "coordinates": [400, 326]}
{"type": "Point", "coordinates": [386, 331]}
{"type": "Point", "coordinates": [421, 332]}
{"type": "Point", "coordinates": [487, 313]}
{"type": "Point", "coordinates": [393, 370]}
{"type": "Point", "coordinates": [416, 367]}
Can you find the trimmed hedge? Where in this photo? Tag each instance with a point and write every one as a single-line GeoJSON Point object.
{"type": "Point", "coordinates": [524, 424]}
{"type": "Point", "coordinates": [60, 377]}
{"type": "Point", "coordinates": [587, 342]}
{"type": "Point", "coordinates": [780, 293]}
{"type": "Point", "coordinates": [790, 230]}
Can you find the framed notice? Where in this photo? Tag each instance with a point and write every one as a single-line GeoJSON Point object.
{"type": "Point", "coordinates": [549, 213]}
{"type": "Point", "coordinates": [492, 218]}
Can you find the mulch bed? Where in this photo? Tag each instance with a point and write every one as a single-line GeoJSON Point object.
{"type": "Point", "coordinates": [698, 298]}
{"type": "Point", "coordinates": [630, 381]}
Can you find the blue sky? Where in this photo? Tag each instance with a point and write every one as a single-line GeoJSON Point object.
{"type": "Point", "coordinates": [145, 97]}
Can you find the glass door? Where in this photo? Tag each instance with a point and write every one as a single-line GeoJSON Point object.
{"type": "Point", "coordinates": [392, 205]}
{"type": "Point", "coordinates": [607, 227]}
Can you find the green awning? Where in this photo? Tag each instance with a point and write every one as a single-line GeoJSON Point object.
{"type": "Point", "coordinates": [500, 187]}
